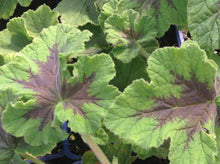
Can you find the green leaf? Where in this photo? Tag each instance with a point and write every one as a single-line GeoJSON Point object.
{"type": "Point", "coordinates": [8, 6]}
{"type": "Point", "coordinates": [217, 132]}
{"type": "Point", "coordinates": [81, 99]}
{"type": "Point", "coordinates": [35, 63]}
{"type": "Point", "coordinates": [77, 12]}
{"type": "Point", "coordinates": [160, 152]}
{"type": "Point", "coordinates": [118, 150]}
{"type": "Point", "coordinates": [204, 23]}
{"type": "Point", "coordinates": [130, 36]}
{"type": "Point", "coordinates": [11, 147]}
{"type": "Point", "coordinates": [24, 2]}
{"type": "Point", "coordinates": [97, 42]}
{"type": "Point", "coordinates": [127, 72]}
{"type": "Point", "coordinates": [163, 13]}
{"type": "Point", "coordinates": [86, 100]}
{"type": "Point", "coordinates": [178, 104]}
{"type": "Point", "coordinates": [36, 21]}
{"type": "Point", "coordinates": [22, 30]}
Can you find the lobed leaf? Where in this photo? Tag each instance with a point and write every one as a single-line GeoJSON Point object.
{"type": "Point", "coordinates": [204, 23]}
{"type": "Point", "coordinates": [77, 12]}
{"type": "Point", "coordinates": [130, 36]}
{"type": "Point", "coordinates": [20, 31]}
{"type": "Point", "coordinates": [81, 99]}
{"type": "Point", "coordinates": [178, 104]}
{"type": "Point", "coordinates": [127, 72]}
{"type": "Point", "coordinates": [8, 6]}
{"type": "Point", "coordinates": [37, 62]}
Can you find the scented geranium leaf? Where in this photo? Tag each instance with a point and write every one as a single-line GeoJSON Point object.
{"type": "Point", "coordinates": [7, 145]}
{"type": "Point", "coordinates": [77, 12]}
{"type": "Point", "coordinates": [127, 72]}
{"type": "Point", "coordinates": [36, 21]}
{"type": "Point", "coordinates": [97, 42]}
{"type": "Point", "coordinates": [114, 7]}
{"type": "Point", "coordinates": [164, 12]}
{"type": "Point", "coordinates": [217, 132]}
{"type": "Point", "coordinates": [87, 95]}
{"type": "Point", "coordinates": [24, 2]}
{"type": "Point", "coordinates": [178, 104]}
{"type": "Point", "coordinates": [130, 36]}
{"type": "Point", "coordinates": [204, 23]}
{"type": "Point", "coordinates": [10, 43]}
{"type": "Point", "coordinates": [33, 118]}
{"type": "Point", "coordinates": [20, 31]}
{"type": "Point", "coordinates": [7, 7]}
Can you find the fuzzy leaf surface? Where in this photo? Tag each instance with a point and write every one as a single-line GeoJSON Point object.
{"type": "Point", "coordinates": [163, 13]}
{"type": "Point", "coordinates": [204, 23]}
{"type": "Point", "coordinates": [178, 104]}
{"type": "Point", "coordinates": [7, 7]}
{"type": "Point", "coordinates": [36, 75]}
{"type": "Point", "coordinates": [42, 76]}
{"type": "Point", "coordinates": [77, 12]}
{"type": "Point", "coordinates": [20, 31]}
{"type": "Point", "coordinates": [130, 37]}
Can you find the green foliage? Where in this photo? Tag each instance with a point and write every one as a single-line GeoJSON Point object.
{"type": "Point", "coordinates": [7, 7]}
{"type": "Point", "coordinates": [102, 69]}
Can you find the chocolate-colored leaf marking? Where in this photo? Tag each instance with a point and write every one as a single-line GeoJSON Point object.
{"type": "Point", "coordinates": [78, 95]}
{"type": "Point", "coordinates": [195, 106]}
{"type": "Point", "coordinates": [49, 90]}
{"type": "Point", "coordinates": [46, 86]}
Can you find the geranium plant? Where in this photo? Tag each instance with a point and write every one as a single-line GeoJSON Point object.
{"type": "Point", "coordinates": [98, 65]}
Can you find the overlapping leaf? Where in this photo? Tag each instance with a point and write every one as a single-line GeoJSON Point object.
{"type": "Point", "coordinates": [118, 150]}
{"type": "Point", "coordinates": [77, 12]}
{"type": "Point", "coordinates": [163, 13]}
{"type": "Point", "coordinates": [20, 31]}
{"type": "Point", "coordinates": [10, 146]}
{"type": "Point", "coordinates": [7, 7]}
{"type": "Point", "coordinates": [127, 72]}
{"type": "Point", "coordinates": [42, 76]}
{"type": "Point", "coordinates": [178, 104]}
{"type": "Point", "coordinates": [28, 75]}
{"type": "Point", "coordinates": [130, 36]}
{"type": "Point", "coordinates": [204, 23]}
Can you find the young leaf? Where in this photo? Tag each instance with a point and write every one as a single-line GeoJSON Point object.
{"type": "Point", "coordinates": [204, 23]}
{"type": "Point", "coordinates": [36, 63]}
{"type": "Point", "coordinates": [163, 13]}
{"type": "Point", "coordinates": [130, 36]}
{"type": "Point", "coordinates": [178, 104]}
{"type": "Point", "coordinates": [77, 12]}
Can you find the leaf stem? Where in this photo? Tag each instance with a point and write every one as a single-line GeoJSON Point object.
{"type": "Point", "coordinates": [32, 158]}
{"type": "Point", "coordinates": [96, 149]}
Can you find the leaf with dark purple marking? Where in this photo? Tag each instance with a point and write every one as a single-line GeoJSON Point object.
{"type": "Point", "coordinates": [178, 104]}
{"type": "Point", "coordinates": [41, 75]}
{"type": "Point", "coordinates": [36, 75]}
